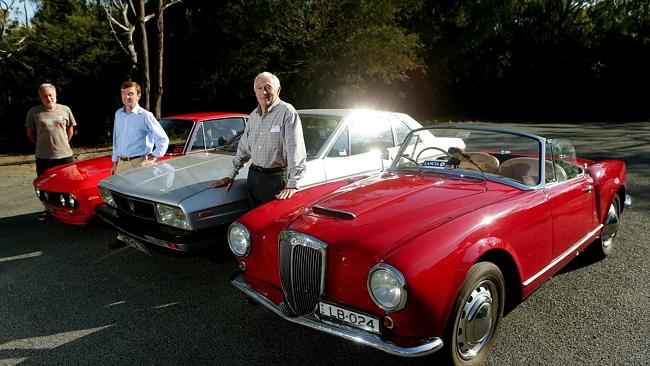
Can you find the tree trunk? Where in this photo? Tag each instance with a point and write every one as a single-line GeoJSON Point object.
{"type": "Point", "coordinates": [146, 82]}
{"type": "Point", "coordinates": [158, 92]}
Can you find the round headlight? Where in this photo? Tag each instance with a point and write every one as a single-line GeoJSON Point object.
{"type": "Point", "coordinates": [239, 239]}
{"type": "Point", "coordinates": [72, 200]}
{"type": "Point", "coordinates": [387, 287]}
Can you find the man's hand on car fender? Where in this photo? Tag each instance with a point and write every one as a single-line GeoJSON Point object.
{"type": "Point", "coordinates": [227, 181]}
{"type": "Point", "coordinates": [286, 193]}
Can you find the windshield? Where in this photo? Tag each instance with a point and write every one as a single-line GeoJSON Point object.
{"type": "Point", "coordinates": [178, 131]}
{"type": "Point", "coordinates": [474, 151]}
{"type": "Point", "coordinates": [230, 146]}
{"type": "Point", "coordinates": [316, 130]}
{"type": "Point", "coordinates": [563, 155]}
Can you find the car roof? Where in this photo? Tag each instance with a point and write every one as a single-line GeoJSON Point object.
{"type": "Point", "coordinates": [207, 115]}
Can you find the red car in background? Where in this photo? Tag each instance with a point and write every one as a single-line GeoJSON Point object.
{"type": "Point", "coordinates": [70, 193]}
{"type": "Point", "coordinates": [424, 257]}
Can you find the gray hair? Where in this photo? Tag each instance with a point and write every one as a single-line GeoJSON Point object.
{"type": "Point", "coordinates": [274, 79]}
{"type": "Point", "coordinates": [46, 86]}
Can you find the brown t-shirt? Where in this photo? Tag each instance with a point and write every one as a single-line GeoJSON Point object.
{"type": "Point", "coordinates": [51, 137]}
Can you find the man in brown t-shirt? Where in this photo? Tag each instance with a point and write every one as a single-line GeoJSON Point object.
{"type": "Point", "coordinates": [50, 127]}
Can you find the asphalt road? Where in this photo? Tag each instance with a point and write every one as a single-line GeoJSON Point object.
{"type": "Point", "coordinates": [66, 299]}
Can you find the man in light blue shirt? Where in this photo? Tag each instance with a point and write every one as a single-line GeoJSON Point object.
{"type": "Point", "coordinates": [135, 133]}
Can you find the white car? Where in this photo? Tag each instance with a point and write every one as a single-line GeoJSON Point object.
{"type": "Point", "coordinates": [171, 205]}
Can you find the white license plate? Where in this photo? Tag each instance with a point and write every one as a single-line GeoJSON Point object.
{"type": "Point", "coordinates": [363, 321]}
{"type": "Point", "coordinates": [135, 244]}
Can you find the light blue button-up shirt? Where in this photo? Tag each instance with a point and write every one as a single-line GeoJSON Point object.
{"type": "Point", "coordinates": [136, 133]}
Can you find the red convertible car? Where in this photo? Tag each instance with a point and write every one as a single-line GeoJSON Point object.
{"type": "Point", "coordinates": [69, 192]}
{"type": "Point", "coordinates": [423, 257]}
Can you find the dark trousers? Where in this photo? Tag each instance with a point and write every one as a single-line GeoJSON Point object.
{"type": "Point", "coordinates": [44, 164]}
{"type": "Point", "coordinates": [262, 187]}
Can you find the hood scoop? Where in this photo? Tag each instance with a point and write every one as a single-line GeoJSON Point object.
{"type": "Point", "coordinates": [320, 210]}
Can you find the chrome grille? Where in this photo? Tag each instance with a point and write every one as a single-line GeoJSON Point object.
{"type": "Point", "coordinates": [302, 271]}
{"type": "Point", "coordinates": [134, 207]}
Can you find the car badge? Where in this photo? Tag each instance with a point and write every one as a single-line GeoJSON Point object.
{"type": "Point", "coordinates": [132, 206]}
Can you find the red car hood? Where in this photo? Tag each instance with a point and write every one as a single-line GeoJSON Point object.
{"type": "Point", "coordinates": [382, 213]}
{"type": "Point", "coordinates": [391, 195]}
{"type": "Point", "coordinates": [86, 172]}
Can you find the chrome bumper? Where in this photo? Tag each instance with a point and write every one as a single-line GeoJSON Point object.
{"type": "Point", "coordinates": [359, 336]}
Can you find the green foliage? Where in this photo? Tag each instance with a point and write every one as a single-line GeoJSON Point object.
{"type": "Point", "coordinates": [498, 59]}
{"type": "Point", "coordinates": [536, 59]}
{"type": "Point", "coordinates": [343, 48]}
{"type": "Point", "coordinates": [318, 48]}
{"type": "Point", "coordinates": [68, 44]}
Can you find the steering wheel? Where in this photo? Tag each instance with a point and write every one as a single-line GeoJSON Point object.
{"type": "Point", "coordinates": [417, 158]}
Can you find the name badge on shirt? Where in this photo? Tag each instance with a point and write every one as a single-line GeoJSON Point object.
{"type": "Point", "coordinates": [275, 128]}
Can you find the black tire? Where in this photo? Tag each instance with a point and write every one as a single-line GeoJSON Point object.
{"type": "Point", "coordinates": [476, 316]}
{"type": "Point", "coordinates": [604, 245]}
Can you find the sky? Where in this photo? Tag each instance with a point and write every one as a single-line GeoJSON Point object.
{"type": "Point", "coordinates": [19, 7]}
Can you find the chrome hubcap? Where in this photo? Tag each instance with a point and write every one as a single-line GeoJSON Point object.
{"type": "Point", "coordinates": [611, 226]}
{"type": "Point", "coordinates": [477, 320]}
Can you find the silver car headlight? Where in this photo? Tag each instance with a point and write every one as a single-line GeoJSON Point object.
{"type": "Point", "coordinates": [107, 197]}
{"type": "Point", "coordinates": [387, 287]}
{"type": "Point", "coordinates": [239, 239]}
{"type": "Point", "coordinates": [171, 215]}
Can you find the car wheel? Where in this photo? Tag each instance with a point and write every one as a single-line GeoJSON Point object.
{"type": "Point", "coordinates": [476, 315]}
{"type": "Point", "coordinates": [604, 245]}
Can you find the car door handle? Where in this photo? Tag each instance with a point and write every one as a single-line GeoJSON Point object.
{"type": "Point", "coordinates": [588, 189]}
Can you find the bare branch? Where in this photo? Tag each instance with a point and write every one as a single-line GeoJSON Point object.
{"type": "Point", "coordinates": [126, 39]}
{"type": "Point", "coordinates": [170, 3]}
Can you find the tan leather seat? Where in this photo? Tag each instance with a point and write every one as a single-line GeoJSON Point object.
{"type": "Point", "coordinates": [526, 170]}
{"type": "Point", "coordinates": [488, 163]}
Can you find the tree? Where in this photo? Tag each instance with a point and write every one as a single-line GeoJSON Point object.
{"type": "Point", "coordinates": [68, 43]}
{"type": "Point", "coordinates": [12, 32]}
{"type": "Point", "coordinates": [125, 38]}
{"type": "Point", "coordinates": [326, 53]}
{"type": "Point", "coordinates": [161, 5]}
{"type": "Point", "coordinates": [137, 12]}
{"type": "Point", "coordinates": [127, 10]}
{"type": "Point", "coordinates": [342, 48]}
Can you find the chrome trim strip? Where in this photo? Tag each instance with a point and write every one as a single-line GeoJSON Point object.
{"type": "Point", "coordinates": [161, 243]}
{"type": "Point", "coordinates": [359, 336]}
{"type": "Point", "coordinates": [563, 255]}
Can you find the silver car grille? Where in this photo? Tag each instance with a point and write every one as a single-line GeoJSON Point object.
{"type": "Point", "coordinates": [302, 272]}
{"type": "Point", "coordinates": [134, 206]}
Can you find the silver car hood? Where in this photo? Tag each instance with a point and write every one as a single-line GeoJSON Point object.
{"type": "Point", "coordinates": [175, 180]}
